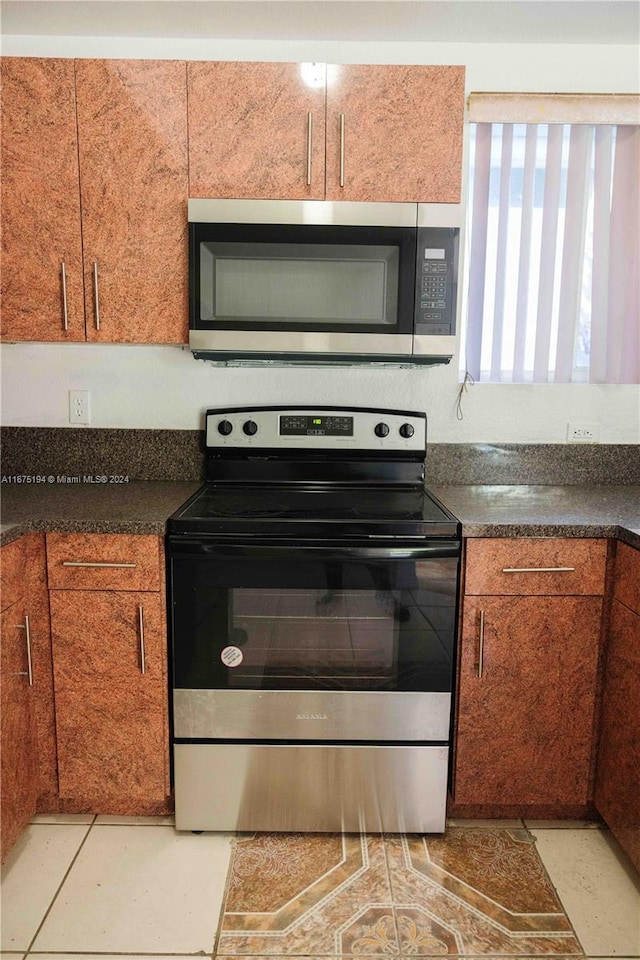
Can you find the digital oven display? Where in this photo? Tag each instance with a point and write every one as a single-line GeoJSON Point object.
{"type": "Point", "coordinates": [300, 426]}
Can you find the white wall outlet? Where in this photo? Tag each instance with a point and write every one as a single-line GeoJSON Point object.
{"type": "Point", "coordinates": [79, 406]}
{"type": "Point", "coordinates": [584, 431]}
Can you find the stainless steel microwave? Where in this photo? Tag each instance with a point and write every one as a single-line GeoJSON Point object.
{"type": "Point", "coordinates": [316, 282]}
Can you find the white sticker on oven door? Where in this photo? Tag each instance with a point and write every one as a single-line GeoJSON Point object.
{"type": "Point", "coordinates": [232, 656]}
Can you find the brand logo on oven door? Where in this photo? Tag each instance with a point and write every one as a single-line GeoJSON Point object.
{"type": "Point", "coordinates": [311, 716]}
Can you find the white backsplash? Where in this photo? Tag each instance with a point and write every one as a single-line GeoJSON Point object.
{"type": "Point", "coordinates": [164, 387]}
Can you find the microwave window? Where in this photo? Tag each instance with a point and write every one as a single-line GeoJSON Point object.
{"type": "Point", "coordinates": [287, 283]}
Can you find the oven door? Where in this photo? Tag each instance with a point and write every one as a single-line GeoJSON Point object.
{"type": "Point", "coordinates": [312, 640]}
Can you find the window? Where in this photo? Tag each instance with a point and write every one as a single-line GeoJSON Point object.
{"type": "Point", "coordinates": [553, 271]}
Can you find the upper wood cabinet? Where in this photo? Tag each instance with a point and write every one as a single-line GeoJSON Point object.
{"type": "Point", "coordinates": [392, 133]}
{"type": "Point", "coordinates": [132, 130]}
{"type": "Point", "coordinates": [94, 200]}
{"type": "Point", "coordinates": [41, 234]}
{"type": "Point", "coordinates": [255, 130]}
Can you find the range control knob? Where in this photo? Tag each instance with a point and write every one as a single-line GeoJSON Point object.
{"type": "Point", "coordinates": [250, 427]}
{"type": "Point", "coordinates": [406, 431]}
{"type": "Point", "coordinates": [381, 430]}
{"type": "Point", "coordinates": [225, 428]}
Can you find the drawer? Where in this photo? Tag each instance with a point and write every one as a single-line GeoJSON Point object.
{"type": "Point", "coordinates": [100, 561]}
{"type": "Point", "coordinates": [626, 586]}
{"type": "Point", "coordinates": [12, 572]}
{"type": "Point", "coordinates": [535, 566]}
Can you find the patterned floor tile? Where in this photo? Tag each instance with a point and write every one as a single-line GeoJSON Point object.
{"type": "Point", "coordinates": [309, 895]}
{"type": "Point", "coordinates": [475, 892]}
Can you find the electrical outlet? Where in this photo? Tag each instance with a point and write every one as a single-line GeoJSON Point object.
{"type": "Point", "coordinates": [584, 431]}
{"type": "Point", "coordinates": [79, 406]}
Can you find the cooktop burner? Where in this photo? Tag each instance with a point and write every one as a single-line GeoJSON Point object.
{"type": "Point", "coordinates": [406, 511]}
{"type": "Point", "coordinates": [315, 473]}
{"type": "Point", "coordinates": [334, 503]}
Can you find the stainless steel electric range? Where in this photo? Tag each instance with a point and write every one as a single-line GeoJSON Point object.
{"type": "Point", "coordinates": [312, 594]}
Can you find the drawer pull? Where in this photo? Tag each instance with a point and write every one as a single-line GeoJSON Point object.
{"type": "Point", "coordinates": [481, 646]}
{"type": "Point", "coordinates": [65, 307]}
{"type": "Point", "coordinates": [29, 671]}
{"type": "Point", "coordinates": [538, 569]}
{"type": "Point", "coordinates": [85, 563]}
{"type": "Point", "coordinates": [96, 294]}
{"type": "Point", "coordinates": [309, 146]}
{"type": "Point", "coordinates": [141, 629]}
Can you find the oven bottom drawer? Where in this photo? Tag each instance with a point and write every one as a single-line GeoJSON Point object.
{"type": "Point", "coordinates": [310, 787]}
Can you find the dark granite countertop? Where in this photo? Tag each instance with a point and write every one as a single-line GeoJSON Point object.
{"type": "Point", "coordinates": [136, 507]}
{"type": "Point", "coordinates": [484, 511]}
{"type": "Point", "coordinates": [545, 511]}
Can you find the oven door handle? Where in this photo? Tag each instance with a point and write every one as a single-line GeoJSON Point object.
{"type": "Point", "coordinates": [432, 551]}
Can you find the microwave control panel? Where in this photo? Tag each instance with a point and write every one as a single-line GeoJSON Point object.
{"type": "Point", "coordinates": [436, 275]}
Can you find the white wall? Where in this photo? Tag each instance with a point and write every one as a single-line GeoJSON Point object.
{"type": "Point", "coordinates": [165, 387]}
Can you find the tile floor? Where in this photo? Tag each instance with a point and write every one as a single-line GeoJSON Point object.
{"type": "Point", "coordinates": [83, 887]}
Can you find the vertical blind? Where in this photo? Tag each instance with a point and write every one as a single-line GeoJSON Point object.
{"type": "Point", "coordinates": [553, 289]}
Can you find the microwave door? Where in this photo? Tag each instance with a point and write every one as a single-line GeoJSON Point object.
{"type": "Point", "coordinates": [264, 288]}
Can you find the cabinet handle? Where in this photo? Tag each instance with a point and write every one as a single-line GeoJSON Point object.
{"type": "Point", "coordinates": [342, 149]}
{"type": "Point", "coordinates": [309, 146]}
{"type": "Point", "coordinates": [141, 629]}
{"type": "Point", "coordinates": [96, 294]}
{"type": "Point", "coordinates": [29, 671]}
{"type": "Point", "coordinates": [65, 308]}
{"type": "Point", "coordinates": [481, 646]}
{"type": "Point", "coordinates": [86, 563]}
{"type": "Point", "coordinates": [538, 569]}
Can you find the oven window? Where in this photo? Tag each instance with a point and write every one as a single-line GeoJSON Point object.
{"type": "Point", "coordinates": [330, 625]}
{"type": "Point", "coordinates": [316, 636]}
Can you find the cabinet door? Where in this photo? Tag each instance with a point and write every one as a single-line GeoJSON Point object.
{"type": "Point", "coordinates": [110, 697]}
{"type": "Point", "coordinates": [40, 202]}
{"type": "Point", "coordinates": [626, 587]}
{"type": "Point", "coordinates": [18, 759]}
{"type": "Point", "coordinates": [525, 726]}
{"type": "Point", "coordinates": [37, 606]}
{"type": "Point", "coordinates": [132, 129]}
{"type": "Point", "coordinates": [12, 572]}
{"type": "Point", "coordinates": [618, 775]}
{"type": "Point", "coordinates": [400, 133]}
{"type": "Point", "coordinates": [256, 130]}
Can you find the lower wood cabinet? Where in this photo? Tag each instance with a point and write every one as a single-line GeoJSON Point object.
{"type": "Point", "coordinates": [108, 633]}
{"type": "Point", "coordinates": [617, 794]}
{"type": "Point", "coordinates": [19, 764]}
{"type": "Point", "coordinates": [29, 770]}
{"type": "Point", "coordinates": [528, 675]}
{"type": "Point", "coordinates": [527, 695]}
{"type": "Point", "coordinates": [529, 679]}
{"type": "Point", "coordinates": [43, 697]}
{"type": "Point", "coordinates": [110, 689]}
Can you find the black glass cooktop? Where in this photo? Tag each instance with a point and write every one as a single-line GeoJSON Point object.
{"type": "Point", "coordinates": [279, 509]}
